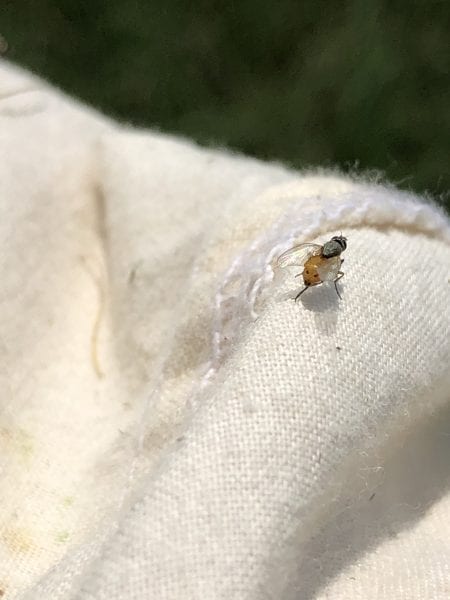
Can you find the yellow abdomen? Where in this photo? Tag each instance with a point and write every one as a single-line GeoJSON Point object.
{"type": "Point", "coordinates": [311, 270]}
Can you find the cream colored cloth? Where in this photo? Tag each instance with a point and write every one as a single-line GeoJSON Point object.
{"type": "Point", "coordinates": [172, 425]}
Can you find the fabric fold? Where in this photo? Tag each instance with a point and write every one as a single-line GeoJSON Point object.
{"type": "Point", "coordinates": [173, 425]}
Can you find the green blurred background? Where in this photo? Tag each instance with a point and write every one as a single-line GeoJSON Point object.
{"type": "Point", "coordinates": [361, 84]}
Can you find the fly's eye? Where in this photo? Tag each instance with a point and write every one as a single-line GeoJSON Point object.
{"type": "Point", "coordinates": [341, 240]}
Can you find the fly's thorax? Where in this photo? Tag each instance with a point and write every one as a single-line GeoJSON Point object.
{"type": "Point", "coordinates": [335, 246]}
{"type": "Point", "coordinates": [332, 248]}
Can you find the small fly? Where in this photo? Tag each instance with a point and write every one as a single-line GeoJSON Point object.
{"type": "Point", "coordinates": [320, 263]}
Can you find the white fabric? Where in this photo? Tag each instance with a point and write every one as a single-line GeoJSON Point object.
{"type": "Point", "coordinates": [172, 424]}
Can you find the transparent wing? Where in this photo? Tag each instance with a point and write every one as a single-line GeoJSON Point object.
{"type": "Point", "coordinates": [298, 255]}
{"type": "Point", "coordinates": [329, 269]}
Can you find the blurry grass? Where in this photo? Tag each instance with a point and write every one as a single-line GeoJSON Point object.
{"type": "Point", "coordinates": [361, 83]}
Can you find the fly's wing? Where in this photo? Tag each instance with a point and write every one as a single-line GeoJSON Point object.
{"type": "Point", "coordinates": [329, 268]}
{"type": "Point", "coordinates": [298, 255]}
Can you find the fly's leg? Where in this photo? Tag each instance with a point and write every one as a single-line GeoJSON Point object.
{"type": "Point", "coordinates": [300, 293]}
{"type": "Point", "coordinates": [340, 275]}
{"type": "Point", "coordinates": [305, 288]}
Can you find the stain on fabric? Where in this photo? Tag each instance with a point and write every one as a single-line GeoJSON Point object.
{"type": "Point", "coordinates": [95, 332]}
{"type": "Point", "coordinates": [17, 540]}
{"type": "Point", "coordinates": [68, 501]}
{"type": "Point", "coordinates": [133, 272]}
{"type": "Point", "coordinates": [18, 442]}
{"type": "Point", "coordinates": [62, 537]}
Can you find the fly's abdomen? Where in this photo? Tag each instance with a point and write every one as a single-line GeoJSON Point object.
{"type": "Point", "coordinates": [311, 274]}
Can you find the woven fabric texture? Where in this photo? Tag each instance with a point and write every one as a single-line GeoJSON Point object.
{"type": "Point", "coordinates": [172, 424]}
